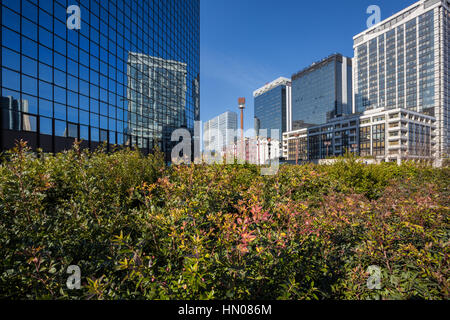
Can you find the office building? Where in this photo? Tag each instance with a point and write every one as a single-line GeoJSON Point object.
{"type": "Point", "coordinates": [220, 132]}
{"type": "Point", "coordinates": [128, 76]}
{"type": "Point", "coordinates": [401, 67]}
{"type": "Point", "coordinates": [321, 92]}
{"type": "Point", "coordinates": [401, 94]}
{"type": "Point", "coordinates": [272, 107]}
{"type": "Point", "coordinates": [332, 139]}
{"type": "Point", "coordinates": [156, 95]}
{"type": "Point", "coordinates": [385, 136]}
{"type": "Point", "coordinates": [396, 135]}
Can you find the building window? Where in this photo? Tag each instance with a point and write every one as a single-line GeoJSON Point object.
{"type": "Point", "coordinates": [378, 139]}
{"type": "Point", "coordinates": [72, 130]}
{"type": "Point", "coordinates": [364, 141]}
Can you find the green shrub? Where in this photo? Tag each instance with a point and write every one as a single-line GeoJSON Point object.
{"type": "Point", "coordinates": [140, 230]}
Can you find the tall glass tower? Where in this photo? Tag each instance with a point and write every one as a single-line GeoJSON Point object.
{"type": "Point", "coordinates": [322, 91]}
{"type": "Point", "coordinates": [128, 76]}
{"type": "Point", "coordinates": [403, 63]}
{"type": "Point", "coordinates": [272, 104]}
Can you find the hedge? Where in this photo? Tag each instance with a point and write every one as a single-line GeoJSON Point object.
{"type": "Point", "coordinates": [139, 229]}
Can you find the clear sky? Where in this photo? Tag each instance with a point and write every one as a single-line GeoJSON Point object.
{"type": "Point", "coordinates": [248, 43]}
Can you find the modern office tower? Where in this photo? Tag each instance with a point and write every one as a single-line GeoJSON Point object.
{"type": "Point", "coordinates": [322, 91]}
{"type": "Point", "coordinates": [156, 95]}
{"type": "Point", "coordinates": [272, 107]}
{"type": "Point", "coordinates": [402, 65]}
{"type": "Point", "coordinates": [128, 76]}
{"type": "Point", "coordinates": [220, 132]}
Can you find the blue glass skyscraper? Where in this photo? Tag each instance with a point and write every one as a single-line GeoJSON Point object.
{"type": "Point", "coordinates": [272, 105]}
{"type": "Point", "coordinates": [129, 76]}
{"type": "Point", "coordinates": [322, 91]}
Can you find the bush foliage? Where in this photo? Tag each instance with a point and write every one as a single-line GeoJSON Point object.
{"type": "Point", "coordinates": [140, 230]}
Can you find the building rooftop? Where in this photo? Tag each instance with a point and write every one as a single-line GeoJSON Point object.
{"type": "Point", "coordinates": [319, 64]}
{"type": "Point", "coordinates": [222, 114]}
{"type": "Point", "coordinates": [398, 17]}
{"type": "Point", "coordinates": [269, 86]}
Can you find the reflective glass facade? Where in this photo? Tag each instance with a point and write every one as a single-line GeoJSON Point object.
{"type": "Point", "coordinates": [270, 110]}
{"type": "Point", "coordinates": [322, 92]}
{"type": "Point", "coordinates": [129, 76]}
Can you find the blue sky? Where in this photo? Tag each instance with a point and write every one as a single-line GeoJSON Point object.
{"type": "Point", "coordinates": [247, 43]}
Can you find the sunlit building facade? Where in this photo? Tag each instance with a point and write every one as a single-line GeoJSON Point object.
{"type": "Point", "coordinates": [129, 76]}
{"type": "Point", "coordinates": [402, 65]}
{"type": "Point", "coordinates": [272, 108]}
{"type": "Point", "coordinates": [220, 132]}
{"type": "Point", "coordinates": [322, 91]}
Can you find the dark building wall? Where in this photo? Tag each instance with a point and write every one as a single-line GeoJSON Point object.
{"type": "Point", "coordinates": [69, 84]}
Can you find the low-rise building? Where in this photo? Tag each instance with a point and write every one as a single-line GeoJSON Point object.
{"type": "Point", "coordinates": [384, 135]}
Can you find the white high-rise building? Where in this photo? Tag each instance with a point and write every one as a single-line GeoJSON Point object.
{"type": "Point", "coordinates": [401, 69]}
{"type": "Point", "coordinates": [220, 132]}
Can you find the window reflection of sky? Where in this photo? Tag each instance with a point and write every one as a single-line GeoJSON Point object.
{"type": "Point", "coordinates": [78, 79]}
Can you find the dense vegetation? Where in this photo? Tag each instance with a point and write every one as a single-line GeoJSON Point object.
{"type": "Point", "coordinates": [140, 230]}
